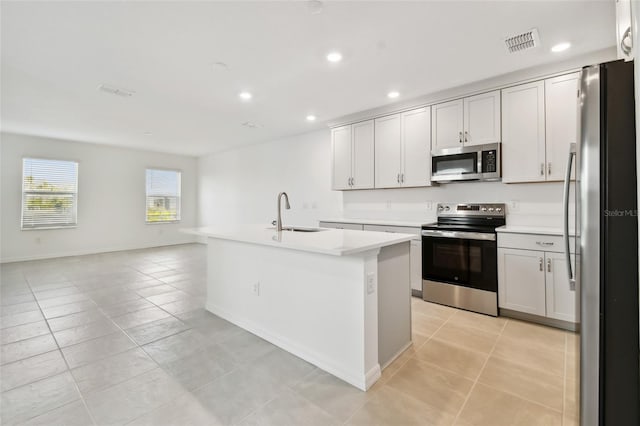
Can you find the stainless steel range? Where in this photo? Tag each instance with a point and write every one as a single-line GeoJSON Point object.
{"type": "Point", "coordinates": [460, 257]}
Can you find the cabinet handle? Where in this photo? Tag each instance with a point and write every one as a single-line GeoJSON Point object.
{"type": "Point", "coordinates": [353, 181]}
{"type": "Point", "coordinates": [548, 169]}
{"type": "Point", "coordinates": [460, 137]}
{"type": "Point", "coordinates": [466, 136]}
{"type": "Point", "coordinates": [402, 178]}
{"type": "Point", "coordinates": [544, 243]}
{"type": "Point", "coordinates": [541, 262]}
{"type": "Point", "coordinates": [541, 169]}
{"type": "Point", "coordinates": [548, 265]}
{"type": "Point", "coordinates": [398, 178]}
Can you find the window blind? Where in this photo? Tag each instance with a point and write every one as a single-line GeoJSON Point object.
{"type": "Point", "coordinates": [49, 193]}
{"type": "Point", "coordinates": [163, 195]}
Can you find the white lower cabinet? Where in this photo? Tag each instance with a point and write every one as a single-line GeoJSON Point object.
{"type": "Point", "coordinates": [521, 281]}
{"type": "Point", "coordinates": [561, 298]}
{"type": "Point", "coordinates": [535, 281]}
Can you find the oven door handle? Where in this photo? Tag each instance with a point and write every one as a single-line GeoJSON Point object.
{"type": "Point", "coordinates": [485, 236]}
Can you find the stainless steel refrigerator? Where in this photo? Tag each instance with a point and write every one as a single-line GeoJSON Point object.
{"type": "Point", "coordinates": [605, 269]}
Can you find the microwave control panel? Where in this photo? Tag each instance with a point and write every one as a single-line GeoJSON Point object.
{"type": "Point", "coordinates": [489, 160]}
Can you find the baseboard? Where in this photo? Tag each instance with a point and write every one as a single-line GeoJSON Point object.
{"type": "Point", "coordinates": [360, 382]}
{"type": "Point", "coordinates": [91, 251]}
{"type": "Point", "coordinates": [551, 322]}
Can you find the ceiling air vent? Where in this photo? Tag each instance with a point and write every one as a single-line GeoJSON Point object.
{"type": "Point", "coordinates": [525, 41]}
{"type": "Point", "coordinates": [118, 91]}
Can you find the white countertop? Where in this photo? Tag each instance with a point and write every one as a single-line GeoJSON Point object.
{"type": "Point", "coordinates": [411, 224]}
{"type": "Point", "coordinates": [540, 230]}
{"type": "Point", "coordinates": [337, 242]}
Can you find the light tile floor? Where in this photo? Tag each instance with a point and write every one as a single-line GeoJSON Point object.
{"type": "Point", "coordinates": [122, 338]}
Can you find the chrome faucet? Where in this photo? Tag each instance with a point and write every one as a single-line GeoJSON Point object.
{"type": "Point", "coordinates": [286, 206]}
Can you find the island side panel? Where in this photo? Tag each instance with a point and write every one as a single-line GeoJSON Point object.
{"type": "Point", "coordinates": [315, 306]}
{"type": "Point", "coordinates": [394, 302]}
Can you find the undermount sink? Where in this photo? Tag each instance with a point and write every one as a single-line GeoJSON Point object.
{"type": "Point", "coordinates": [299, 229]}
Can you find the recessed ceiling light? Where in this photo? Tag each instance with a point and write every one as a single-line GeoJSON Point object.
{"type": "Point", "coordinates": [147, 133]}
{"type": "Point", "coordinates": [334, 57]}
{"type": "Point", "coordinates": [250, 125]}
{"type": "Point", "coordinates": [315, 6]}
{"type": "Point", "coordinates": [393, 94]}
{"type": "Point", "coordinates": [245, 95]}
{"type": "Point", "coordinates": [311, 118]}
{"type": "Point", "coordinates": [560, 47]}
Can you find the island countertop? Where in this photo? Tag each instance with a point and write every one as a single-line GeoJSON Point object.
{"type": "Point", "coordinates": [336, 242]}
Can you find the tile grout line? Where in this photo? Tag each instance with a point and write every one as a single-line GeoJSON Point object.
{"type": "Point", "coordinates": [84, 403]}
{"type": "Point", "coordinates": [475, 382]}
{"type": "Point", "coordinates": [403, 364]}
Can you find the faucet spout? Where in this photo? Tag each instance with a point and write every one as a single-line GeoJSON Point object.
{"type": "Point", "coordinates": [286, 206]}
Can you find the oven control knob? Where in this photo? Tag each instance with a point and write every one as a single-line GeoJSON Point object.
{"type": "Point", "coordinates": [490, 209]}
{"type": "Point", "coordinates": [447, 208]}
{"type": "Point", "coordinates": [484, 209]}
{"type": "Point", "coordinates": [498, 209]}
{"type": "Point", "coordinates": [440, 208]}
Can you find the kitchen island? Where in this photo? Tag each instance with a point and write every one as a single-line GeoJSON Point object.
{"type": "Point", "coordinates": [339, 299]}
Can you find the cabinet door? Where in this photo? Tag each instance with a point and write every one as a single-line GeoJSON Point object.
{"type": "Point", "coordinates": [561, 300]}
{"type": "Point", "coordinates": [341, 146]}
{"type": "Point", "coordinates": [561, 115]}
{"type": "Point", "coordinates": [446, 125]}
{"type": "Point", "coordinates": [363, 155]}
{"type": "Point", "coordinates": [415, 262]}
{"type": "Point", "coordinates": [523, 133]}
{"type": "Point", "coordinates": [416, 147]}
{"type": "Point", "coordinates": [388, 133]}
{"type": "Point", "coordinates": [482, 118]}
{"type": "Point", "coordinates": [521, 281]}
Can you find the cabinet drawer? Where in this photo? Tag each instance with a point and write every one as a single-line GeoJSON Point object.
{"type": "Point", "coordinates": [397, 229]}
{"type": "Point", "coordinates": [551, 243]}
{"type": "Point", "coordinates": [340, 225]}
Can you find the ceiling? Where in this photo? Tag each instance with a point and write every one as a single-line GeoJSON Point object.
{"type": "Point", "coordinates": [56, 54]}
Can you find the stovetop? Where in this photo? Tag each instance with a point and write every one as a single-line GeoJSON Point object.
{"type": "Point", "coordinates": [469, 217]}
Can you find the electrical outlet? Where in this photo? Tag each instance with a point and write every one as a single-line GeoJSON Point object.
{"type": "Point", "coordinates": [38, 240]}
{"type": "Point", "coordinates": [429, 205]}
{"type": "Point", "coordinates": [388, 205]}
{"type": "Point", "coordinates": [371, 283]}
{"type": "Point", "coordinates": [514, 205]}
{"type": "Point", "coordinates": [256, 289]}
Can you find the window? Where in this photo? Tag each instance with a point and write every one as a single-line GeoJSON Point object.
{"type": "Point", "coordinates": [49, 193]}
{"type": "Point", "coordinates": [163, 196]}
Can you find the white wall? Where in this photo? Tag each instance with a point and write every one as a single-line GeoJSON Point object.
{"type": "Point", "coordinates": [111, 199]}
{"type": "Point", "coordinates": [241, 186]}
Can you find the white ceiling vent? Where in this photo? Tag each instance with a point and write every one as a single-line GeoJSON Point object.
{"type": "Point", "coordinates": [118, 91]}
{"type": "Point", "coordinates": [525, 41]}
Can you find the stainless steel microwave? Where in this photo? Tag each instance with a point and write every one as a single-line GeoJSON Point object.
{"type": "Point", "coordinates": [478, 162]}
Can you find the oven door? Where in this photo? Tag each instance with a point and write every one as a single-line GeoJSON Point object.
{"type": "Point", "coordinates": [467, 259]}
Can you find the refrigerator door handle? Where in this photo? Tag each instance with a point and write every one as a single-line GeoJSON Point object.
{"type": "Point", "coordinates": [567, 183]}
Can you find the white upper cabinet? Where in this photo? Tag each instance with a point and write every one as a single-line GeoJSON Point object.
{"type": "Point", "coordinates": [403, 147]}
{"type": "Point", "coordinates": [363, 155]}
{"type": "Point", "coordinates": [447, 125]}
{"type": "Point", "coordinates": [341, 147]}
{"type": "Point", "coordinates": [539, 123]}
{"type": "Point", "coordinates": [473, 120]}
{"type": "Point", "coordinates": [482, 118]}
{"type": "Point", "coordinates": [388, 141]}
{"type": "Point", "coordinates": [353, 155]}
{"type": "Point", "coordinates": [561, 100]}
{"type": "Point", "coordinates": [416, 147]}
{"type": "Point", "coordinates": [523, 133]}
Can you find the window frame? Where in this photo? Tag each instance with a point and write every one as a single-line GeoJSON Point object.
{"type": "Point", "coordinates": [22, 193]}
{"type": "Point", "coordinates": [179, 206]}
